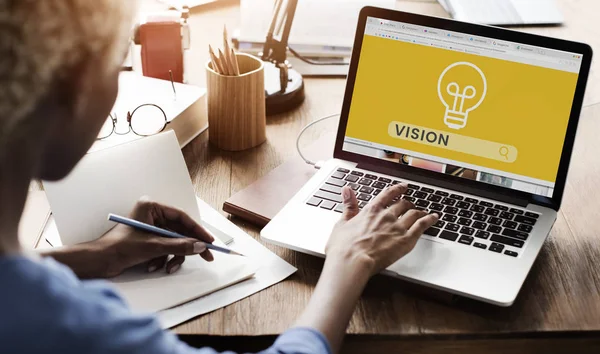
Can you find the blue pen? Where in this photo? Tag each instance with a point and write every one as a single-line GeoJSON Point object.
{"type": "Point", "coordinates": [164, 233]}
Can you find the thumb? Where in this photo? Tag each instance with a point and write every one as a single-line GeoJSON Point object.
{"type": "Point", "coordinates": [178, 247]}
{"type": "Point", "coordinates": [350, 203]}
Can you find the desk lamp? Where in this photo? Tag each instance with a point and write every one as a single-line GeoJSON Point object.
{"type": "Point", "coordinates": [284, 86]}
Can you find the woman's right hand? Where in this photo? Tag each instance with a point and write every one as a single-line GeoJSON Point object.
{"type": "Point", "coordinates": [383, 232]}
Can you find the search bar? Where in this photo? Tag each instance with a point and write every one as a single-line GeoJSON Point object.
{"type": "Point", "coordinates": [454, 142]}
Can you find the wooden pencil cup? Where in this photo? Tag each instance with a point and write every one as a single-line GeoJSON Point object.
{"type": "Point", "coordinates": [236, 106]}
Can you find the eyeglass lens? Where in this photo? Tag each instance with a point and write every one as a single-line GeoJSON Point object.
{"type": "Point", "coordinates": [148, 120]}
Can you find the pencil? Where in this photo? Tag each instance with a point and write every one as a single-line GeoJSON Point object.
{"type": "Point", "coordinates": [164, 233]}
{"type": "Point", "coordinates": [231, 59]}
{"type": "Point", "coordinates": [225, 63]}
{"type": "Point", "coordinates": [236, 66]}
{"type": "Point", "coordinates": [217, 65]}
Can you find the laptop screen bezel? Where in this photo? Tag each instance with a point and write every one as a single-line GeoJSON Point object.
{"type": "Point", "coordinates": [474, 187]}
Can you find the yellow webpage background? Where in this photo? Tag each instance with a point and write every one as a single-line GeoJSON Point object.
{"type": "Point", "coordinates": [525, 106]}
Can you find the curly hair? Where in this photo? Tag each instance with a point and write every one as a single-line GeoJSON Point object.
{"type": "Point", "coordinates": [41, 40]}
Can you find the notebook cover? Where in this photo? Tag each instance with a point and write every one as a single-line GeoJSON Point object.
{"type": "Point", "coordinates": [162, 50]}
{"type": "Point", "coordinates": [263, 199]}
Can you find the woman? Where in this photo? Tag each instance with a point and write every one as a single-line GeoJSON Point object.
{"type": "Point", "coordinates": [59, 65]}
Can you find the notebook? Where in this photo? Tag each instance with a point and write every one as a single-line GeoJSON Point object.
{"type": "Point", "coordinates": [113, 180]}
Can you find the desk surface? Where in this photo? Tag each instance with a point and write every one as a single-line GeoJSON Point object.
{"type": "Point", "coordinates": [562, 292]}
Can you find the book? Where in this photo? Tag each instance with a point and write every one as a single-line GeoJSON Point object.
{"type": "Point", "coordinates": [185, 108]}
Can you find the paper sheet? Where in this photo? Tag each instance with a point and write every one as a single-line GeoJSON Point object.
{"type": "Point", "coordinates": [270, 270]}
{"type": "Point", "coordinates": [316, 22]}
{"type": "Point", "coordinates": [113, 180]}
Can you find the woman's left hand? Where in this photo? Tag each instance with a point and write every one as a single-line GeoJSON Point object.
{"type": "Point", "coordinates": [126, 247]}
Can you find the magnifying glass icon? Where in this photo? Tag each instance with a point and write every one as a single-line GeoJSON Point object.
{"type": "Point", "coordinates": [504, 152]}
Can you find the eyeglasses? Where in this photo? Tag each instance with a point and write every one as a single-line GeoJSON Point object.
{"type": "Point", "coordinates": [146, 120]}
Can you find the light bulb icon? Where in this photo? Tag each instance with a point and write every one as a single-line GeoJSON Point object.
{"type": "Point", "coordinates": [462, 87]}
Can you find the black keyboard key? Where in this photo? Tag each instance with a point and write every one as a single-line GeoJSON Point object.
{"type": "Point", "coordinates": [480, 217]}
{"type": "Point", "coordinates": [439, 224]}
{"type": "Point", "coordinates": [517, 211]}
{"type": "Point", "coordinates": [494, 229]}
{"type": "Point", "coordinates": [413, 186]}
{"type": "Point", "coordinates": [339, 208]}
{"type": "Point", "coordinates": [495, 221]}
{"type": "Point", "coordinates": [457, 197]}
{"type": "Point", "coordinates": [343, 170]}
{"type": "Point", "coordinates": [338, 175]}
{"type": "Point", "coordinates": [409, 192]}
{"type": "Point", "coordinates": [510, 224]}
{"type": "Point", "coordinates": [507, 241]}
{"type": "Point", "coordinates": [486, 204]}
{"type": "Point", "coordinates": [329, 196]}
{"type": "Point", "coordinates": [448, 201]}
{"type": "Point", "coordinates": [448, 235]}
{"type": "Point", "coordinates": [464, 222]}
{"type": "Point", "coordinates": [524, 228]}
{"type": "Point", "coordinates": [482, 234]}
{"type": "Point", "coordinates": [463, 205]}
{"type": "Point", "coordinates": [422, 203]}
{"type": "Point", "coordinates": [479, 225]}
{"type": "Point", "coordinates": [525, 220]}
{"type": "Point", "coordinates": [364, 197]}
{"type": "Point", "coordinates": [395, 182]}
{"type": "Point", "coordinates": [376, 192]}
{"type": "Point", "coordinates": [336, 182]}
{"type": "Point", "coordinates": [465, 213]}
{"type": "Point", "coordinates": [366, 189]}
{"type": "Point", "coordinates": [354, 186]}
{"type": "Point", "coordinates": [452, 227]}
{"type": "Point", "coordinates": [479, 245]}
{"type": "Point", "coordinates": [506, 215]}
{"type": "Point", "coordinates": [442, 193]}
{"type": "Point", "coordinates": [365, 181]}
{"type": "Point", "coordinates": [420, 195]}
{"type": "Point", "coordinates": [450, 218]}
{"type": "Point", "coordinates": [471, 200]}
{"type": "Point", "coordinates": [371, 176]}
{"type": "Point", "coordinates": [385, 180]}
{"type": "Point", "coordinates": [492, 212]}
{"type": "Point", "coordinates": [410, 199]}
{"type": "Point", "coordinates": [327, 205]}
{"type": "Point", "coordinates": [362, 204]}
{"type": "Point", "coordinates": [352, 178]}
{"type": "Point", "coordinates": [495, 247]}
{"type": "Point", "coordinates": [436, 207]}
{"type": "Point", "coordinates": [466, 240]}
{"type": "Point", "coordinates": [511, 253]}
{"type": "Point", "coordinates": [434, 198]}
{"type": "Point", "coordinates": [427, 190]}
{"type": "Point", "coordinates": [451, 210]}
{"type": "Point", "coordinates": [432, 231]}
{"type": "Point", "coordinates": [314, 201]}
{"type": "Point", "coordinates": [515, 234]}
{"type": "Point", "coordinates": [357, 173]}
{"type": "Point", "coordinates": [379, 185]}
{"type": "Point", "coordinates": [331, 189]}
{"type": "Point", "coordinates": [532, 215]}
{"type": "Point", "coordinates": [501, 207]}
{"type": "Point", "coordinates": [467, 231]}
{"type": "Point", "coordinates": [477, 208]}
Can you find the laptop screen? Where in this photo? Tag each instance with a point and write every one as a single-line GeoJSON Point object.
{"type": "Point", "coordinates": [473, 107]}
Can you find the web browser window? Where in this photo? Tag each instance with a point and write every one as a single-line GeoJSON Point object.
{"type": "Point", "coordinates": [473, 107]}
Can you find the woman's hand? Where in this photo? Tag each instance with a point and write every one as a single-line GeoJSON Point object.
{"type": "Point", "coordinates": [383, 232]}
{"type": "Point", "coordinates": [361, 244]}
{"type": "Point", "coordinates": [124, 247]}
{"type": "Point", "coordinates": [128, 247]}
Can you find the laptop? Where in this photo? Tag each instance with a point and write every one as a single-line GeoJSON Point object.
{"type": "Point", "coordinates": [478, 121]}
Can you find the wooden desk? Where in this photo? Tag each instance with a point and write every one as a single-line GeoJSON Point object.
{"type": "Point", "coordinates": [558, 308]}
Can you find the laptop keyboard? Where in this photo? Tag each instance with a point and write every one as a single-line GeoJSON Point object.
{"type": "Point", "coordinates": [465, 220]}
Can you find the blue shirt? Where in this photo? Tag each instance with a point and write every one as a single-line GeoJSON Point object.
{"type": "Point", "coordinates": [45, 308]}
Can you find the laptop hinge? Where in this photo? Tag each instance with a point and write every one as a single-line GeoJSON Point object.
{"type": "Point", "coordinates": [503, 196]}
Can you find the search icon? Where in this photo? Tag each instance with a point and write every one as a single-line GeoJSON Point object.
{"type": "Point", "coordinates": [504, 152]}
